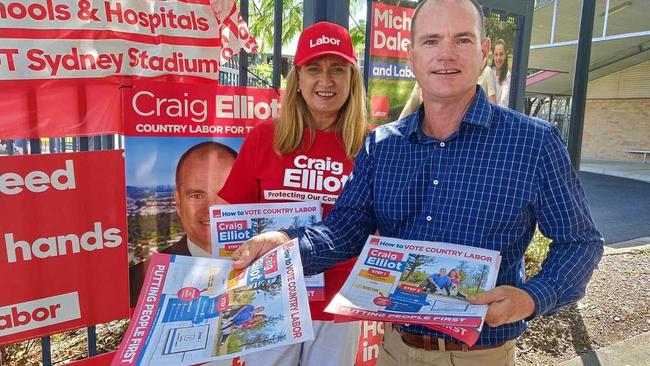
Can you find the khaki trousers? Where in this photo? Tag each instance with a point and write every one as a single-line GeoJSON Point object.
{"type": "Point", "coordinates": [394, 352]}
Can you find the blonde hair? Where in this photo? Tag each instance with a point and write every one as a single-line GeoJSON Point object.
{"type": "Point", "coordinates": [295, 117]}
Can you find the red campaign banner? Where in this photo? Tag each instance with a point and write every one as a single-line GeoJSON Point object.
{"type": "Point", "coordinates": [59, 108]}
{"type": "Point", "coordinates": [63, 251]}
{"type": "Point", "coordinates": [372, 333]}
{"type": "Point", "coordinates": [88, 39]}
{"type": "Point", "coordinates": [170, 109]}
{"type": "Point", "coordinates": [62, 62]}
{"type": "Point", "coordinates": [379, 107]}
{"type": "Point", "coordinates": [68, 107]}
{"type": "Point", "coordinates": [390, 29]}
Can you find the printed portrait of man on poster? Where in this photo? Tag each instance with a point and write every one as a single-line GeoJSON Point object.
{"type": "Point", "coordinates": [181, 142]}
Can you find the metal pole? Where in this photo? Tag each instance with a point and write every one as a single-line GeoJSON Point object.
{"type": "Point", "coordinates": [243, 56]}
{"type": "Point", "coordinates": [520, 61]}
{"type": "Point", "coordinates": [581, 80]}
{"type": "Point", "coordinates": [606, 17]}
{"type": "Point", "coordinates": [366, 51]}
{"type": "Point", "coordinates": [83, 144]}
{"type": "Point", "coordinates": [46, 351]}
{"type": "Point", "coordinates": [107, 142]}
{"type": "Point", "coordinates": [92, 341]}
{"type": "Point", "coordinates": [335, 11]}
{"type": "Point", "coordinates": [277, 42]}
{"type": "Point", "coordinates": [10, 147]}
{"type": "Point", "coordinates": [34, 146]}
{"type": "Point", "coordinates": [554, 20]}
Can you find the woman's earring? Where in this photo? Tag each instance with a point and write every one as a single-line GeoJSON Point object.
{"type": "Point", "coordinates": [298, 90]}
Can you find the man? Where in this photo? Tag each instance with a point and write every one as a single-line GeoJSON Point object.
{"type": "Point", "coordinates": [439, 282]}
{"type": "Point", "coordinates": [200, 173]}
{"type": "Point", "coordinates": [241, 314]}
{"type": "Point", "coordinates": [460, 171]}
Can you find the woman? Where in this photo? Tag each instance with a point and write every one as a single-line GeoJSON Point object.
{"type": "Point", "coordinates": [500, 70]}
{"type": "Point", "coordinates": [455, 284]}
{"type": "Point", "coordinates": [322, 126]}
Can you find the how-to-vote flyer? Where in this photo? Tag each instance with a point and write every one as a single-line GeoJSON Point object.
{"type": "Point", "coordinates": [231, 225]}
{"type": "Point", "coordinates": [193, 310]}
{"type": "Point", "coordinates": [407, 281]}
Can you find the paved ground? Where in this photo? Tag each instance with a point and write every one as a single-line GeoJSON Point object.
{"type": "Point", "coordinates": [619, 196]}
{"type": "Point", "coordinates": [625, 169]}
{"type": "Point", "coordinates": [620, 206]}
{"type": "Point", "coordinates": [630, 352]}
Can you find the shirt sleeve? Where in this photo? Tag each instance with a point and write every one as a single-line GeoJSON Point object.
{"type": "Point", "coordinates": [343, 233]}
{"type": "Point", "coordinates": [564, 217]}
{"type": "Point", "coordinates": [242, 185]}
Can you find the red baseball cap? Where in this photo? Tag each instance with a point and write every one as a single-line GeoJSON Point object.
{"type": "Point", "coordinates": [324, 38]}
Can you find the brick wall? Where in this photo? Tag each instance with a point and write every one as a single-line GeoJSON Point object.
{"type": "Point", "coordinates": [614, 124]}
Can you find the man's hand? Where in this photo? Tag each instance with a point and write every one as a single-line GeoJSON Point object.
{"type": "Point", "coordinates": [256, 247]}
{"type": "Point", "coordinates": [506, 304]}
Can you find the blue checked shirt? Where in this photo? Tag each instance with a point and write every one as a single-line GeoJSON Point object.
{"type": "Point", "coordinates": [488, 185]}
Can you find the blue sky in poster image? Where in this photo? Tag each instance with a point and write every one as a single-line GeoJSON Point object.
{"type": "Point", "coordinates": [151, 161]}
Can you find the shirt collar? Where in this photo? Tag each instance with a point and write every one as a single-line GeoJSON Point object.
{"type": "Point", "coordinates": [478, 113]}
{"type": "Point", "coordinates": [196, 250]}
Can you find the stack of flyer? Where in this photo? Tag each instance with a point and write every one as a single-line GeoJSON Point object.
{"type": "Point", "coordinates": [231, 225]}
{"type": "Point", "coordinates": [417, 282]}
{"type": "Point", "coordinates": [193, 310]}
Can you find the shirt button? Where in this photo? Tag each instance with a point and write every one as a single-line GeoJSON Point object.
{"type": "Point", "coordinates": [429, 218]}
{"type": "Point", "coordinates": [435, 182]}
{"type": "Point", "coordinates": [442, 144]}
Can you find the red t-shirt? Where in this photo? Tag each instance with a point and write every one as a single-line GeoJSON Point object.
{"type": "Point", "coordinates": [316, 171]}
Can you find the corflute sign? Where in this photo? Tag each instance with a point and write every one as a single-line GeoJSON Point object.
{"type": "Point", "coordinates": [185, 110]}
{"type": "Point", "coordinates": [391, 29]}
{"type": "Point", "coordinates": [63, 253]}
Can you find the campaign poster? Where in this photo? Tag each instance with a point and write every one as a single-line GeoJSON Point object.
{"type": "Point", "coordinates": [372, 333]}
{"type": "Point", "coordinates": [391, 80]}
{"type": "Point", "coordinates": [500, 28]}
{"type": "Point", "coordinates": [181, 142]}
{"type": "Point", "coordinates": [81, 51]}
{"type": "Point", "coordinates": [63, 255]}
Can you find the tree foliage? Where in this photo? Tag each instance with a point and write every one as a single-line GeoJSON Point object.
{"type": "Point", "coordinates": [261, 22]}
{"type": "Point", "coordinates": [260, 224]}
{"type": "Point", "coordinates": [414, 262]}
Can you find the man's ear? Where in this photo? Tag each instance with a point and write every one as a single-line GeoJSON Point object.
{"type": "Point", "coordinates": [485, 49]}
